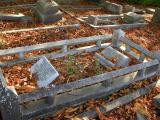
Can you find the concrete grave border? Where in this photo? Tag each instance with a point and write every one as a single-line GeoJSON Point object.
{"type": "Point", "coordinates": [110, 17]}
{"type": "Point", "coordinates": [36, 104]}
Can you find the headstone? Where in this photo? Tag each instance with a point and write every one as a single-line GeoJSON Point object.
{"type": "Point", "coordinates": [45, 72]}
{"type": "Point", "coordinates": [47, 6]}
{"type": "Point", "coordinates": [48, 18]}
{"type": "Point", "coordinates": [129, 8]}
{"type": "Point", "coordinates": [15, 17]}
{"type": "Point", "coordinates": [47, 11]}
{"type": "Point", "coordinates": [133, 18]}
{"type": "Point", "coordinates": [156, 16]}
{"type": "Point", "coordinates": [92, 20]}
{"type": "Point", "coordinates": [120, 59]}
{"type": "Point", "coordinates": [112, 7]}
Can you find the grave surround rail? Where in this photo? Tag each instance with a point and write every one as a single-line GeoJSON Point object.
{"type": "Point", "coordinates": [117, 80]}
{"type": "Point", "coordinates": [100, 18]}
{"type": "Point", "coordinates": [64, 44]}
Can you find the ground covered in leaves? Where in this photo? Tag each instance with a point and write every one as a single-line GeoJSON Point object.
{"type": "Point", "coordinates": [72, 68]}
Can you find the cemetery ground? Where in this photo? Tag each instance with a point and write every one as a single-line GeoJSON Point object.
{"type": "Point", "coordinates": [76, 67]}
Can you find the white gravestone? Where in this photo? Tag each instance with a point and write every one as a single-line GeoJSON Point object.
{"type": "Point", "coordinates": [44, 71]}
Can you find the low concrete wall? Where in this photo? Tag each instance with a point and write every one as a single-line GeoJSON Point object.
{"type": "Point", "coordinates": [112, 7]}
{"type": "Point", "coordinates": [67, 1]}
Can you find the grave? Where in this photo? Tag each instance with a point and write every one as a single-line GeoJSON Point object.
{"type": "Point", "coordinates": [47, 11]}
{"type": "Point", "coordinates": [15, 17]}
{"type": "Point", "coordinates": [156, 16]}
{"type": "Point", "coordinates": [107, 21]}
{"type": "Point", "coordinates": [44, 72]}
{"type": "Point", "coordinates": [133, 18]}
{"type": "Point", "coordinates": [79, 91]}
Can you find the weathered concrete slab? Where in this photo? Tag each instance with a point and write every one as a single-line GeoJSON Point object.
{"type": "Point", "coordinates": [48, 18]}
{"type": "Point", "coordinates": [9, 106]}
{"type": "Point", "coordinates": [47, 6]}
{"type": "Point", "coordinates": [133, 18]}
{"type": "Point", "coordinates": [121, 60]}
{"type": "Point", "coordinates": [156, 16]}
{"type": "Point", "coordinates": [45, 72]}
{"type": "Point", "coordinates": [129, 8]}
{"type": "Point", "coordinates": [112, 7]}
{"type": "Point", "coordinates": [15, 17]}
{"type": "Point", "coordinates": [103, 61]}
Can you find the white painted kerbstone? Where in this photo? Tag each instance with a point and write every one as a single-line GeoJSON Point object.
{"type": "Point", "coordinates": [44, 71]}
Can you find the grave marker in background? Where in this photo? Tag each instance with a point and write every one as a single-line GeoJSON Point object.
{"type": "Point", "coordinates": [47, 11]}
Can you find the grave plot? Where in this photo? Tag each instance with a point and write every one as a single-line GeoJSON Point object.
{"type": "Point", "coordinates": [28, 21]}
{"type": "Point", "coordinates": [127, 21]}
{"type": "Point", "coordinates": [47, 101]}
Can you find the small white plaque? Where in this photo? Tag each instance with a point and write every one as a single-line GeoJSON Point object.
{"type": "Point", "coordinates": [45, 72]}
